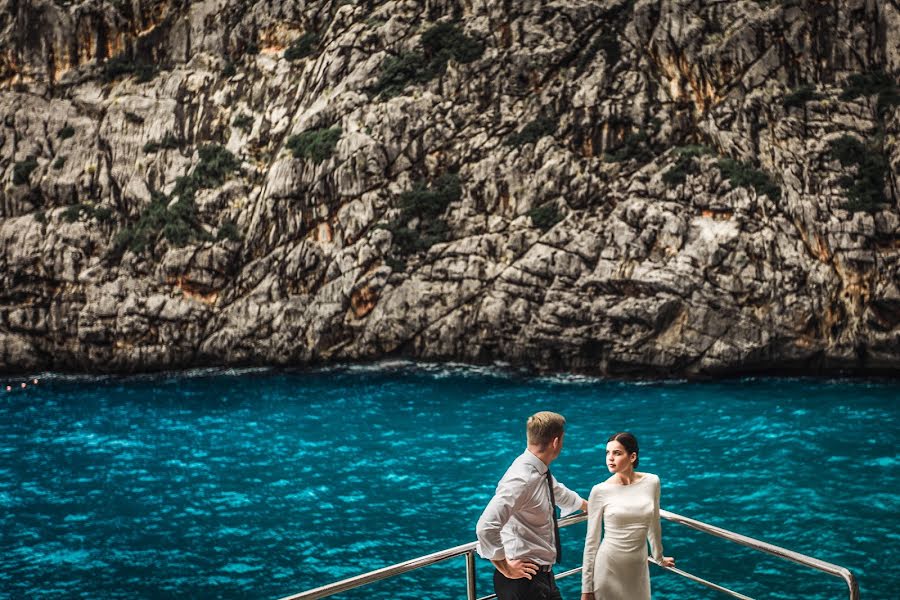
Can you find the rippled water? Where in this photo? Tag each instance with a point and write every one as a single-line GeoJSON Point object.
{"type": "Point", "coordinates": [260, 484]}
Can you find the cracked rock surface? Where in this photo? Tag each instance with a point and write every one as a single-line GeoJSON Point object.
{"type": "Point", "coordinates": [614, 187]}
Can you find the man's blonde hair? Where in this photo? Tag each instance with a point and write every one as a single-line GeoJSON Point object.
{"type": "Point", "coordinates": [544, 426]}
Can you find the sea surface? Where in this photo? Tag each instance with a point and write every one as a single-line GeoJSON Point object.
{"type": "Point", "coordinates": [261, 484]}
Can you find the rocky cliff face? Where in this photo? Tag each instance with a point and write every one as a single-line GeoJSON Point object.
{"type": "Point", "coordinates": [650, 187]}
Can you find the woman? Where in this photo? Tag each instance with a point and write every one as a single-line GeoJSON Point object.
{"type": "Point", "coordinates": [624, 511]}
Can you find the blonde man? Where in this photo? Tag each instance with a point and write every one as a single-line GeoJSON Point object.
{"type": "Point", "coordinates": [518, 530]}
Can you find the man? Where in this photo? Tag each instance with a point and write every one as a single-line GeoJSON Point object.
{"type": "Point", "coordinates": [517, 531]}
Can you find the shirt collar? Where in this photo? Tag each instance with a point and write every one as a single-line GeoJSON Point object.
{"type": "Point", "coordinates": [535, 462]}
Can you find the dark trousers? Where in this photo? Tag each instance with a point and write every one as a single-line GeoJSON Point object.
{"type": "Point", "coordinates": [540, 587]}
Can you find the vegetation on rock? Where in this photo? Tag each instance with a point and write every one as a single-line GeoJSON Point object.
{"type": "Point", "coordinates": [228, 231]}
{"type": "Point", "coordinates": [168, 142]}
{"type": "Point", "coordinates": [22, 170]}
{"type": "Point", "coordinates": [741, 174]}
{"type": "Point", "coordinates": [870, 84]}
{"type": "Point", "coordinates": [316, 144]}
{"type": "Point", "coordinates": [865, 188]}
{"type": "Point", "coordinates": [216, 163]}
{"type": "Point", "coordinates": [546, 216]}
{"type": "Point", "coordinates": [86, 210]}
{"type": "Point", "coordinates": [302, 47]}
{"type": "Point", "coordinates": [176, 220]}
{"type": "Point", "coordinates": [635, 146]}
{"type": "Point", "coordinates": [532, 132]}
{"type": "Point", "coordinates": [244, 122]}
{"type": "Point", "coordinates": [800, 96]}
{"type": "Point", "coordinates": [685, 164]}
{"type": "Point", "coordinates": [439, 44]}
{"type": "Point", "coordinates": [423, 208]}
{"type": "Point", "coordinates": [122, 66]}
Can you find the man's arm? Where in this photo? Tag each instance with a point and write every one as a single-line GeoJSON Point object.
{"type": "Point", "coordinates": [502, 506]}
{"type": "Point", "coordinates": [567, 500]}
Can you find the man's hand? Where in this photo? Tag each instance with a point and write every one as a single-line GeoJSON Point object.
{"type": "Point", "coordinates": [587, 596]}
{"type": "Point", "coordinates": [667, 561]}
{"type": "Point", "coordinates": [516, 569]}
{"type": "Point", "coordinates": [584, 506]}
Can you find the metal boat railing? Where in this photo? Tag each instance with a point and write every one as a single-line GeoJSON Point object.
{"type": "Point", "coordinates": [468, 550]}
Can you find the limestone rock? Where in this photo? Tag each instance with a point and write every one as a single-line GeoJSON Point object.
{"type": "Point", "coordinates": [625, 187]}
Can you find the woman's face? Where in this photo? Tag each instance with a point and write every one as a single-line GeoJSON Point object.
{"type": "Point", "coordinates": [617, 458]}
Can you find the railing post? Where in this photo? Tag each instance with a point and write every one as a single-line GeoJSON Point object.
{"type": "Point", "coordinates": [851, 583]}
{"type": "Point", "coordinates": [470, 575]}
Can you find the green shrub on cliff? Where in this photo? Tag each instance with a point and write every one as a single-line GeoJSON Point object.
{"type": "Point", "coordinates": [743, 175]}
{"type": "Point", "coordinates": [86, 210]}
{"type": "Point", "coordinates": [316, 144]}
{"type": "Point", "coordinates": [177, 220]}
{"type": "Point", "coordinates": [439, 44]}
{"type": "Point", "coordinates": [215, 165]}
{"type": "Point", "coordinates": [243, 121]}
{"type": "Point", "coordinates": [546, 216]}
{"type": "Point", "coordinates": [532, 132]}
{"type": "Point", "coordinates": [635, 146]}
{"type": "Point", "coordinates": [302, 47]}
{"type": "Point", "coordinates": [168, 142]}
{"type": "Point", "coordinates": [800, 96]}
{"type": "Point", "coordinates": [399, 71]}
{"type": "Point", "coordinates": [22, 170]}
{"type": "Point", "coordinates": [865, 188]}
{"type": "Point", "coordinates": [72, 213]}
{"type": "Point", "coordinates": [444, 41]}
{"type": "Point", "coordinates": [424, 207]}
{"type": "Point", "coordinates": [122, 65]}
{"type": "Point", "coordinates": [685, 164]}
{"type": "Point", "coordinates": [228, 231]}
{"type": "Point", "coordinates": [870, 84]}
{"type": "Point", "coordinates": [66, 132]}
{"type": "Point", "coordinates": [431, 202]}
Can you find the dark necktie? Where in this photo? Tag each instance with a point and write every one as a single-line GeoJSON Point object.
{"type": "Point", "coordinates": [555, 523]}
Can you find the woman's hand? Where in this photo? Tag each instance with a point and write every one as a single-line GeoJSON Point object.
{"type": "Point", "coordinates": [667, 561]}
{"type": "Point", "coordinates": [587, 596]}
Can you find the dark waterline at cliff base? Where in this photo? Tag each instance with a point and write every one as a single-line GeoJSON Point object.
{"type": "Point", "coordinates": [262, 483]}
{"type": "Point", "coordinates": [819, 367]}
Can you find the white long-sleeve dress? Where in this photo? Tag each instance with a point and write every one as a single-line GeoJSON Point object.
{"type": "Point", "coordinates": [625, 517]}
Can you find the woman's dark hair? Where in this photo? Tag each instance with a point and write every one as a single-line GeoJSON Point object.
{"type": "Point", "coordinates": [630, 442]}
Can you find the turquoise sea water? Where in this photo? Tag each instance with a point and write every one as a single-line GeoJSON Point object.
{"type": "Point", "coordinates": [261, 484]}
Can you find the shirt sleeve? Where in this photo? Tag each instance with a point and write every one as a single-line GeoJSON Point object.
{"type": "Point", "coordinates": [567, 500]}
{"type": "Point", "coordinates": [592, 539]}
{"type": "Point", "coordinates": [506, 500]}
{"type": "Point", "coordinates": [654, 532]}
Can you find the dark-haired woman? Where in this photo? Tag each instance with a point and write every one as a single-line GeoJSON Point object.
{"type": "Point", "coordinates": [623, 514]}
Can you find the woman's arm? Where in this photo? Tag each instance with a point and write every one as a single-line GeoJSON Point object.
{"type": "Point", "coordinates": [654, 532]}
{"type": "Point", "coordinates": [591, 541]}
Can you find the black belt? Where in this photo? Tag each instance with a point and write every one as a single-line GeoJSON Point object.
{"type": "Point", "coordinates": [545, 568]}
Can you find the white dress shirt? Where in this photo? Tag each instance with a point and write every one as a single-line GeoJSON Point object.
{"type": "Point", "coordinates": [517, 523]}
